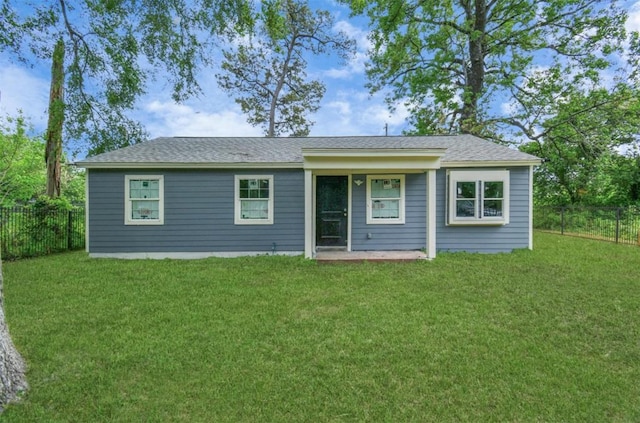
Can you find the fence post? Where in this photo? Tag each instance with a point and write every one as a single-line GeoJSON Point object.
{"type": "Point", "coordinates": [562, 221]}
{"type": "Point", "coordinates": [617, 224]}
{"type": "Point", "coordinates": [69, 230]}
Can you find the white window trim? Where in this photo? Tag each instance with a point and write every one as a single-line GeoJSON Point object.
{"type": "Point", "coordinates": [477, 176]}
{"type": "Point", "coordinates": [389, 221]}
{"type": "Point", "coordinates": [127, 201]}
{"type": "Point", "coordinates": [238, 209]}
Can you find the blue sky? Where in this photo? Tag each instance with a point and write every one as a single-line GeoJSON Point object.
{"type": "Point", "coordinates": [347, 107]}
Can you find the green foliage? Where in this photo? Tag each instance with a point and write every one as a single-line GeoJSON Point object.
{"type": "Point", "coordinates": [45, 205]}
{"type": "Point", "coordinates": [49, 223]}
{"type": "Point", "coordinates": [114, 48]}
{"type": "Point", "coordinates": [268, 72]}
{"type": "Point", "coordinates": [453, 62]}
{"type": "Point", "coordinates": [73, 185]}
{"type": "Point", "coordinates": [546, 335]}
{"type": "Point", "coordinates": [589, 146]}
{"type": "Point", "coordinates": [22, 172]}
{"type": "Point", "coordinates": [45, 227]}
{"type": "Point", "coordinates": [22, 167]}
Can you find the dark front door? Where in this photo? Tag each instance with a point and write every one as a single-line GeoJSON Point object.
{"type": "Point", "coordinates": [331, 211]}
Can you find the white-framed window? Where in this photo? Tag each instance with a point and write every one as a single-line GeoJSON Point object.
{"type": "Point", "coordinates": [478, 197]}
{"type": "Point", "coordinates": [144, 200]}
{"type": "Point", "coordinates": [254, 200]}
{"type": "Point", "coordinates": [385, 199]}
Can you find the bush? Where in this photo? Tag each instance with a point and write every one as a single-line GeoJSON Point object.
{"type": "Point", "coordinates": [45, 227]}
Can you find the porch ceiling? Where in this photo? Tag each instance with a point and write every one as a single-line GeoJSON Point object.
{"type": "Point", "coordinates": [409, 159]}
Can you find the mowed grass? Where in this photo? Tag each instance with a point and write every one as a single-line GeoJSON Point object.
{"type": "Point", "coordinates": [546, 335]}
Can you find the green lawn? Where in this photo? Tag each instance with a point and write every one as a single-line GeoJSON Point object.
{"type": "Point", "coordinates": [546, 335]}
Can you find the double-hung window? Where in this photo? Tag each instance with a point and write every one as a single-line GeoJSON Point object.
{"type": "Point", "coordinates": [144, 200]}
{"type": "Point", "coordinates": [253, 200]}
{"type": "Point", "coordinates": [478, 197]}
{"type": "Point", "coordinates": [385, 199]}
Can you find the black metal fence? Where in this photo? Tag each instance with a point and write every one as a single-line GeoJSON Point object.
{"type": "Point", "coordinates": [616, 224]}
{"type": "Point", "coordinates": [29, 231]}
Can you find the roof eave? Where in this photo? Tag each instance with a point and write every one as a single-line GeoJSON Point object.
{"type": "Point", "coordinates": [199, 165]}
{"type": "Point", "coordinates": [280, 165]}
{"type": "Point", "coordinates": [490, 163]}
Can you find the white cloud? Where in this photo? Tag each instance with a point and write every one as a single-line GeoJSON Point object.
{"type": "Point", "coordinates": [339, 73]}
{"type": "Point", "coordinates": [341, 108]}
{"type": "Point", "coordinates": [171, 119]}
{"type": "Point", "coordinates": [353, 112]}
{"type": "Point", "coordinates": [633, 20]}
{"type": "Point", "coordinates": [396, 118]}
{"type": "Point", "coordinates": [21, 90]}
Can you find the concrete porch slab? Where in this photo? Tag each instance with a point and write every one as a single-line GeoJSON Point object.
{"type": "Point", "coordinates": [338, 256]}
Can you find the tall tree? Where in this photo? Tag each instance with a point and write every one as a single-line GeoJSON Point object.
{"type": "Point", "coordinates": [53, 154]}
{"type": "Point", "coordinates": [267, 73]}
{"type": "Point", "coordinates": [453, 61]}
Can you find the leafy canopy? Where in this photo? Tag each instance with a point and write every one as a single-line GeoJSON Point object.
{"type": "Point", "coordinates": [114, 48]}
{"type": "Point", "coordinates": [590, 144]}
{"type": "Point", "coordinates": [452, 62]}
{"type": "Point", "coordinates": [22, 174]}
{"type": "Point", "coordinates": [22, 170]}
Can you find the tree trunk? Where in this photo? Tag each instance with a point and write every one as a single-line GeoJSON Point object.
{"type": "Point", "coordinates": [53, 154]}
{"type": "Point", "coordinates": [12, 367]}
{"type": "Point", "coordinates": [475, 69]}
{"type": "Point", "coordinates": [281, 79]}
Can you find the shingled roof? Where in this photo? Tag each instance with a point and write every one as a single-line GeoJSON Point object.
{"type": "Point", "coordinates": [288, 151]}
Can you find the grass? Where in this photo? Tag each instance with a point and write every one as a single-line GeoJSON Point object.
{"type": "Point", "coordinates": [545, 335]}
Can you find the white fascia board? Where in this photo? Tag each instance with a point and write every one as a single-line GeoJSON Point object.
{"type": "Point", "coordinates": [374, 164]}
{"type": "Point", "coordinates": [373, 152]}
{"type": "Point", "coordinates": [492, 163]}
{"type": "Point", "coordinates": [169, 165]}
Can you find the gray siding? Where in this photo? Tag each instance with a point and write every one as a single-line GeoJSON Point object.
{"type": "Point", "coordinates": [486, 239]}
{"type": "Point", "coordinates": [199, 214]}
{"type": "Point", "coordinates": [411, 235]}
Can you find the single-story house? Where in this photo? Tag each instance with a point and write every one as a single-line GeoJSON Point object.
{"type": "Point", "coordinates": [191, 197]}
